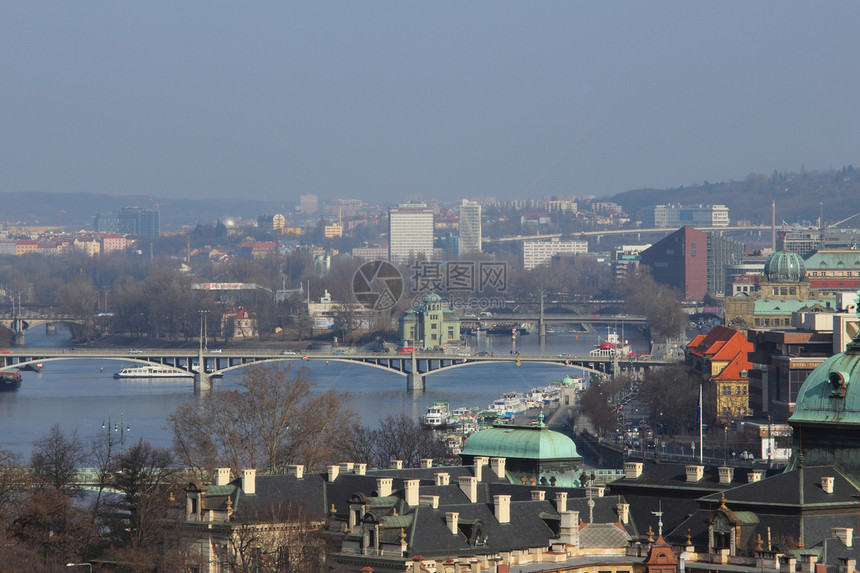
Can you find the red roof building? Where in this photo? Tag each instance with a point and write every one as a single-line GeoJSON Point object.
{"type": "Point", "coordinates": [721, 358]}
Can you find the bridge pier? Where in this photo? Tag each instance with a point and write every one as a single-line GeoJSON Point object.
{"type": "Point", "coordinates": [414, 381]}
{"type": "Point", "coordinates": [202, 382]}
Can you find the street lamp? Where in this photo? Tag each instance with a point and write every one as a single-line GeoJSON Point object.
{"type": "Point", "coordinates": [121, 427]}
{"type": "Point", "coordinates": [90, 565]}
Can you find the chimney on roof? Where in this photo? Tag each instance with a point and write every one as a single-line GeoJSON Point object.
{"type": "Point", "coordinates": [480, 462]}
{"type": "Point", "coordinates": [502, 508]}
{"type": "Point", "coordinates": [297, 470]}
{"type": "Point", "coordinates": [632, 470]}
{"type": "Point", "coordinates": [538, 495]}
{"type": "Point", "coordinates": [623, 510]}
{"type": "Point", "coordinates": [346, 467]}
{"type": "Point", "coordinates": [426, 463]}
{"type": "Point", "coordinates": [754, 476]}
{"type": "Point", "coordinates": [451, 518]}
{"type": "Point", "coordinates": [431, 500]}
{"type": "Point", "coordinates": [695, 473]}
{"type": "Point", "coordinates": [498, 467]}
{"type": "Point", "coordinates": [397, 464]}
{"type": "Point", "coordinates": [249, 481]}
{"type": "Point", "coordinates": [827, 484]}
{"type": "Point", "coordinates": [222, 476]}
{"type": "Point", "coordinates": [561, 501]}
{"type": "Point", "coordinates": [569, 529]}
{"type": "Point", "coordinates": [845, 535]}
{"type": "Point", "coordinates": [469, 486]}
{"type": "Point", "coordinates": [360, 469]}
{"type": "Point", "coordinates": [411, 492]}
{"type": "Point", "coordinates": [443, 478]}
{"type": "Point", "coordinates": [595, 490]}
{"type": "Point", "coordinates": [333, 472]}
{"type": "Point", "coordinates": [726, 474]}
{"type": "Point", "coordinates": [383, 486]}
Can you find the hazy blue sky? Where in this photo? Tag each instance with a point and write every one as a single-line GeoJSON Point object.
{"type": "Point", "coordinates": [384, 100]}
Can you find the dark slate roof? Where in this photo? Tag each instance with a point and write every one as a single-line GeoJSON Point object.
{"type": "Point", "coordinates": [673, 477]}
{"type": "Point", "coordinates": [798, 487]}
{"type": "Point", "coordinates": [276, 494]}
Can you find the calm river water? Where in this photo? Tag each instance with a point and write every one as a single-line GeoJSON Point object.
{"type": "Point", "coordinates": [78, 396]}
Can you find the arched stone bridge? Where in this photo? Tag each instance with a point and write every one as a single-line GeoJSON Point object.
{"type": "Point", "coordinates": [413, 366]}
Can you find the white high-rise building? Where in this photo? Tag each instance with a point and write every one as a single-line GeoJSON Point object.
{"type": "Point", "coordinates": [470, 227]}
{"type": "Point", "coordinates": [410, 232]}
{"type": "Point", "coordinates": [536, 253]}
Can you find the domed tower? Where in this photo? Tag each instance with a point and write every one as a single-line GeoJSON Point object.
{"type": "Point", "coordinates": [826, 419]}
{"type": "Point", "coordinates": [784, 267]}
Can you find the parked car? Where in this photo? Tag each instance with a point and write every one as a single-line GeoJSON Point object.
{"type": "Point", "coordinates": [406, 350]}
{"type": "Point", "coordinates": [135, 351]}
{"type": "Point", "coordinates": [289, 353]}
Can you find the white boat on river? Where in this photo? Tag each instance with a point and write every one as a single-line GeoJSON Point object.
{"type": "Point", "coordinates": [153, 371]}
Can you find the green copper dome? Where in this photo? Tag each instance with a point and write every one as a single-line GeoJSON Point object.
{"type": "Point", "coordinates": [783, 267]}
{"type": "Point", "coordinates": [831, 392]}
{"type": "Point", "coordinates": [523, 442]}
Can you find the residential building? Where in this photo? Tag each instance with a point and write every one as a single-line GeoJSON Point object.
{"type": "Point", "coordinates": [371, 253]}
{"type": "Point", "coordinates": [113, 242]}
{"type": "Point", "coordinates": [333, 231]}
{"type": "Point", "coordinates": [675, 215]}
{"type": "Point", "coordinates": [429, 325]}
{"type": "Point", "coordinates": [239, 323]}
{"type": "Point", "coordinates": [680, 261]}
{"type": "Point", "coordinates": [469, 227]}
{"type": "Point", "coordinates": [537, 253]}
{"type": "Point", "coordinates": [87, 244]}
{"type": "Point", "coordinates": [410, 232]}
{"type": "Point", "coordinates": [720, 358]}
{"type": "Point", "coordinates": [24, 247]}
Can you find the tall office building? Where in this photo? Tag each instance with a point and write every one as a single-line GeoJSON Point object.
{"type": "Point", "coordinates": [470, 227]}
{"type": "Point", "coordinates": [129, 221]}
{"type": "Point", "coordinates": [410, 232]}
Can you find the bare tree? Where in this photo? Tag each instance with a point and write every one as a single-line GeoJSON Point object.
{"type": "Point", "coordinates": [275, 419]}
{"type": "Point", "coordinates": [56, 459]}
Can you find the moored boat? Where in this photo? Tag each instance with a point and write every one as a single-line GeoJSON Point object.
{"type": "Point", "coordinates": [153, 371]}
{"type": "Point", "coordinates": [10, 381]}
{"type": "Point", "coordinates": [437, 414]}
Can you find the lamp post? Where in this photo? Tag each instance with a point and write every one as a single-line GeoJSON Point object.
{"type": "Point", "coordinates": [120, 427]}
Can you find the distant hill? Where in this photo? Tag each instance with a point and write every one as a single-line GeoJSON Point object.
{"type": "Point", "coordinates": [797, 196]}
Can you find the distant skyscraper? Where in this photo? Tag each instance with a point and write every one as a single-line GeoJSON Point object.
{"type": "Point", "coordinates": [410, 232]}
{"type": "Point", "coordinates": [129, 221]}
{"type": "Point", "coordinates": [470, 227]}
{"type": "Point", "coordinates": [308, 203]}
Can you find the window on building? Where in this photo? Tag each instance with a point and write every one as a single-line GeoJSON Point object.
{"type": "Point", "coordinates": [692, 249]}
{"type": "Point", "coordinates": [792, 290]}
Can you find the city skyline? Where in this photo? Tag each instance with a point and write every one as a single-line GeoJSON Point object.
{"type": "Point", "coordinates": [444, 100]}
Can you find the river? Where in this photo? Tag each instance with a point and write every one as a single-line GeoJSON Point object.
{"type": "Point", "coordinates": [81, 395]}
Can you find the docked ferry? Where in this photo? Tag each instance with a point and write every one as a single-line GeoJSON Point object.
{"type": "Point", "coordinates": [152, 371]}
{"type": "Point", "coordinates": [437, 414]}
{"type": "Point", "coordinates": [10, 381]}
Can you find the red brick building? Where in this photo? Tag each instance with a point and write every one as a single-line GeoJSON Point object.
{"type": "Point", "coordinates": [681, 262]}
